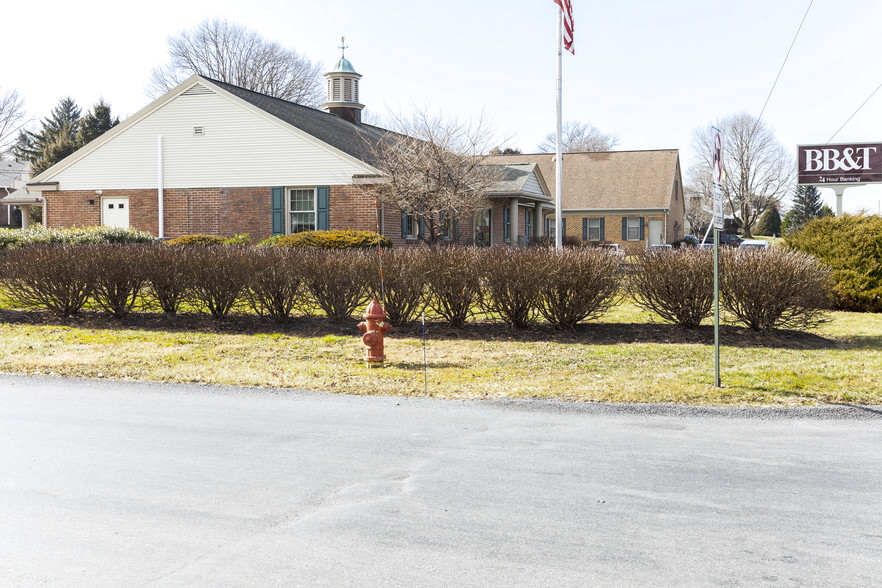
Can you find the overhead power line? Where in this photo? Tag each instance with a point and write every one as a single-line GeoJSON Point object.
{"type": "Point", "coordinates": [792, 43]}
{"type": "Point", "coordinates": [855, 112]}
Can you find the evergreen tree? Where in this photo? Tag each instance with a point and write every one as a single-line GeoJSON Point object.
{"type": "Point", "coordinates": [807, 205]}
{"type": "Point", "coordinates": [769, 223]}
{"type": "Point", "coordinates": [96, 123]}
{"type": "Point", "coordinates": [54, 141]}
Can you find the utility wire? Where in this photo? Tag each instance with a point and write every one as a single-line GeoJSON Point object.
{"type": "Point", "coordinates": [854, 113]}
{"type": "Point", "coordinates": [792, 43]}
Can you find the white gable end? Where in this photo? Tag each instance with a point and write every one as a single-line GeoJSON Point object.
{"type": "Point", "coordinates": [209, 140]}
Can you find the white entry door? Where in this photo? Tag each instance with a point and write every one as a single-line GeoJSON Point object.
{"type": "Point", "coordinates": [656, 232]}
{"type": "Point", "coordinates": [115, 212]}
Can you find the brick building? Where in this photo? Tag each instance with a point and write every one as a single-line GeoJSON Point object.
{"type": "Point", "coordinates": [210, 157]}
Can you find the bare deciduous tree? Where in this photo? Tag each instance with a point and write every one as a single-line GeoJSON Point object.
{"type": "Point", "coordinates": [230, 53]}
{"type": "Point", "coordinates": [699, 205]}
{"type": "Point", "coordinates": [576, 137]}
{"type": "Point", "coordinates": [12, 119]}
{"type": "Point", "coordinates": [433, 168]}
{"type": "Point", "coordinates": [758, 169]}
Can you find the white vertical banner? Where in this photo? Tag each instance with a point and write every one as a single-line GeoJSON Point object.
{"type": "Point", "coordinates": [718, 178]}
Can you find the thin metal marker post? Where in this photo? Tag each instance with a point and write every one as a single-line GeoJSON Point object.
{"type": "Point", "coordinates": [716, 307]}
{"type": "Point", "coordinates": [425, 365]}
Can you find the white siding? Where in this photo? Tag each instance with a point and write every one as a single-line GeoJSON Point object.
{"type": "Point", "coordinates": [240, 147]}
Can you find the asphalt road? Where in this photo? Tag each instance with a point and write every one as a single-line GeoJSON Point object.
{"type": "Point", "coordinates": [130, 484]}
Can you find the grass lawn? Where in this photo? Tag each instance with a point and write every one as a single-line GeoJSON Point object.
{"type": "Point", "coordinates": [623, 357]}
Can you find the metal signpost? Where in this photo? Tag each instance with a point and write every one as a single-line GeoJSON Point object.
{"type": "Point", "coordinates": [718, 224]}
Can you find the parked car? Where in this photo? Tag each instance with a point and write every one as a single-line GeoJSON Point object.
{"type": "Point", "coordinates": [661, 247]}
{"type": "Point", "coordinates": [726, 239]}
{"type": "Point", "coordinates": [613, 248]}
{"type": "Point", "coordinates": [753, 244]}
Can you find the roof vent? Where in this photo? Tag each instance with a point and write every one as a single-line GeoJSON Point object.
{"type": "Point", "coordinates": [199, 131]}
{"type": "Point", "coordinates": [198, 90]}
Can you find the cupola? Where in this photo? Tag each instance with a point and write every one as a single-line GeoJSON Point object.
{"type": "Point", "coordinates": [343, 90]}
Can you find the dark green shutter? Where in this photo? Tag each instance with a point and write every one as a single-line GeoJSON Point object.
{"type": "Point", "coordinates": [602, 230]}
{"type": "Point", "coordinates": [585, 228]}
{"type": "Point", "coordinates": [422, 227]}
{"type": "Point", "coordinates": [323, 205]}
{"type": "Point", "coordinates": [642, 235]}
{"type": "Point", "coordinates": [563, 227]}
{"type": "Point", "coordinates": [278, 210]}
{"type": "Point", "coordinates": [624, 228]}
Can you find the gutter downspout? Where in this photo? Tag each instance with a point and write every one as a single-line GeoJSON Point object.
{"type": "Point", "coordinates": [160, 194]}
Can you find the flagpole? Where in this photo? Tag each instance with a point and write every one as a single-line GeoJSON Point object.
{"type": "Point", "coordinates": [558, 173]}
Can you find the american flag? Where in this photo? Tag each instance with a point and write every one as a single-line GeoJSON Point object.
{"type": "Point", "coordinates": [567, 7]}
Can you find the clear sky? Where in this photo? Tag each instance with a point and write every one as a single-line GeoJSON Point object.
{"type": "Point", "coordinates": [648, 71]}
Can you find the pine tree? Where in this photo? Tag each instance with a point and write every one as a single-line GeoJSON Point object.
{"type": "Point", "coordinates": [769, 223]}
{"type": "Point", "coordinates": [96, 123]}
{"type": "Point", "coordinates": [807, 204]}
{"type": "Point", "coordinates": [55, 140]}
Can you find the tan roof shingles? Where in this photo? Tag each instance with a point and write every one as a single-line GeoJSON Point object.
{"type": "Point", "coordinates": [627, 180]}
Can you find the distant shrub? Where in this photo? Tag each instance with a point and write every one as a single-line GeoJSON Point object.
{"type": "Point", "coordinates": [218, 278]}
{"type": "Point", "coordinates": [198, 240]}
{"type": "Point", "coordinates": [242, 240]}
{"type": "Point", "coordinates": [329, 240]}
{"type": "Point", "coordinates": [453, 284]}
{"type": "Point", "coordinates": [119, 276]}
{"type": "Point", "coordinates": [276, 285]}
{"type": "Point", "coordinates": [772, 288]}
{"type": "Point", "coordinates": [168, 275]}
{"type": "Point", "coordinates": [339, 281]}
{"type": "Point", "coordinates": [404, 283]}
{"type": "Point", "coordinates": [12, 238]}
{"type": "Point", "coordinates": [676, 285]}
{"type": "Point", "coordinates": [506, 291]}
{"type": "Point", "coordinates": [851, 245]}
{"type": "Point", "coordinates": [57, 277]}
{"type": "Point", "coordinates": [576, 284]}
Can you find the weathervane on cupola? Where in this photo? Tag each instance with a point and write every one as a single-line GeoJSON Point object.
{"type": "Point", "coordinates": [343, 89]}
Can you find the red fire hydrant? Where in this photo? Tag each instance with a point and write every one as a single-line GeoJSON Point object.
{"type": "Point", "coordinates": [374, 329]}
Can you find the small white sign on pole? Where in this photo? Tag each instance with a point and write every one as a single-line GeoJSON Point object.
{"type": "Point", "coordinates": [718, 178]}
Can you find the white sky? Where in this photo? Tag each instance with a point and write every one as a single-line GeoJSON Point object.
{"type": "Point", "coordinates": [648, 71]}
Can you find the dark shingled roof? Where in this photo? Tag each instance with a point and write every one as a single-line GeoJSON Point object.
{"type": "Point", "coordinates": [349, 138]}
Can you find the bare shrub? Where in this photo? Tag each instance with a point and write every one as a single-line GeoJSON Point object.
{"type": "Point", "coordinates": [576, 284]}
{"type": "Point", "coordinates": [168, 276]}
{"type": "Point", "coordinates": [119, 276]}
{"type": "Point", "coordinates": [219, 275]}
{"type": "Point", "coordinates": [276, 286]}
{"type": "Point", "coordinates": [676, 285]}
{"type": "Point", "coordinates": [774, 288]}
{"type": "Point", "coordinates": [453, 287]}
{"type": "Point", "coordinates": [404, 283]}
{"type": "Point", "coordinates": [338, 281]}
{"type": "Point", "coordinates": [58, 278]}
{"type": "Point", "coordinates": [509, 288]}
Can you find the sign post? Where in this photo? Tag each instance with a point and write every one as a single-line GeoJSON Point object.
{"type": "Point", "coordinates": [718, 224]}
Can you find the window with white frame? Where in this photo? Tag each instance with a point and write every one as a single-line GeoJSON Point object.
{"type": "Point", "coordinates": [528, 223]}
{"type": "Point", "coordinates": [594, 229]}
{"type": "Point", "coordinates": [301, 206]}
{"type": "Point", "coordinates": [482, 228]}
{"type": "Point", "coordinates": [410, 226]}
{"type": "Point", "coordinates": [633, 229]}
{"type": "Point", "coordinates": [550, 230]}
{"type": "Point", "coordinates": [506, 223]}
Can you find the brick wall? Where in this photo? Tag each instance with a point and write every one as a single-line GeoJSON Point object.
{"type": "Point", "coordinates": [216, 211]}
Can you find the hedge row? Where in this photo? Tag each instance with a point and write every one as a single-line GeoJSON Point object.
{"type": "Point", "coordinates": [761, 289]}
